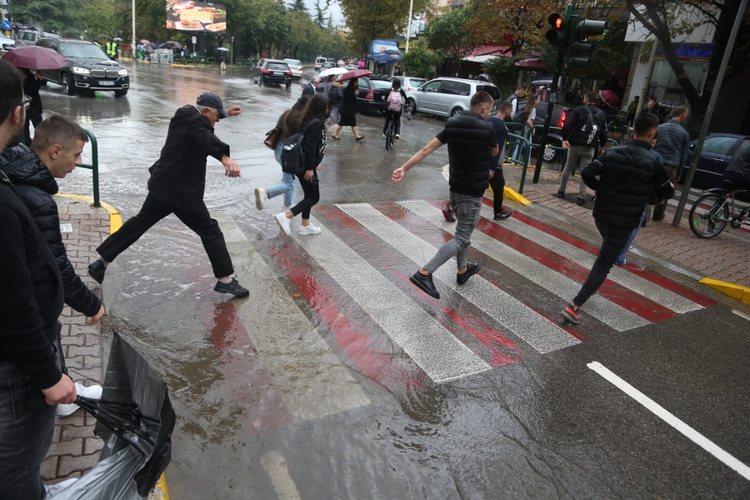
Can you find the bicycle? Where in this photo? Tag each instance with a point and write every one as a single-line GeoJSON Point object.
{"type": "Point", "coordinates": [711, 212]}
{"type": "Point", "coordinates": [390, 135]}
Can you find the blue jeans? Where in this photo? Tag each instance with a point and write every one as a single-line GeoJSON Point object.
{"type": "Point", "coordinates": [467, 215]}
{"type": "Point", "coordinates": [26, 425]}
{"type": "Point", "coordinates": [286, 185]}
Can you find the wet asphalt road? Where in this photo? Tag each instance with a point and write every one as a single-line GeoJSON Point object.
{"type": "Point", "coordinates": [296, 392]}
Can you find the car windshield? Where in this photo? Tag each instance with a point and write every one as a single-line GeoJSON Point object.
{"type": "Point", "coordinates": [293, 62]}
{"type": "Point", "coordinates": [719, 144]}
{"type": "Point", "coordinates": [277, 66]}
{"type": "Point", "coordinates": [87, 50]}
{"type": "Point", "coordinates": [490, 89]}
{"type": "Point", "coordinates": [416, 82]}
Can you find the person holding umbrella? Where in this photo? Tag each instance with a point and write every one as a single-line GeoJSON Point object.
{"type": "Point", "coordinates": [348, 110]}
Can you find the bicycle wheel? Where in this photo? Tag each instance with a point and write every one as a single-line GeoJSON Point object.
{"type": "Point", "coordinates": [709, 215]}
{"type": "Point", "coordinates": [389, 136]}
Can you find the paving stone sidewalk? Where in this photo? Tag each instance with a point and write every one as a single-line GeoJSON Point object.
{"type": "Point", "coordinates": [724, 258]}
{"type": "Point", "coordinates": [75, 448]}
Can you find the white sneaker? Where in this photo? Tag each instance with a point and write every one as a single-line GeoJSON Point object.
{"type": "Point", "coordinates": [261, 196]}
{"type": "Point", "coordinates": [54, 489]}
{"type": "Point", "coordinates": [284, 223]}
{"type": "Point", "coordinates": [398, 136]}
{"type": "Point", "coordinates": [308, 229]}
{"type": "Point", "coordinates": [91, 392]}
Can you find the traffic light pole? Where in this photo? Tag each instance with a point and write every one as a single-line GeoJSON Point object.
{"type": "Point", "coordinates": [548, 118]}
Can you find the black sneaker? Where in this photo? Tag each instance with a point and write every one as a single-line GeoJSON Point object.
{"type": "Point", "coordinates": [560, 194]}
{"type": "Point", "coordinates": [472, 268]}
{"type": "Point", "coordinates": [580, 201]}
{"type": "Point", "coordinates": [425, 283]}
{"type": "Point", "coordinates": [233, 287]}
{"type": "Point", "coordinates": [504, 214]}
{"type": "Point", "coordinates": [97, 270]}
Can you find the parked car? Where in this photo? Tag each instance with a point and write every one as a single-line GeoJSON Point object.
{"type": "Point", "coordinates": [88, 68]}
{"type": "Point", "coordinates": [319, 62]}
{"type": "Point", "coordinates": [718, 151]}
{"type": "Point", "coordinates": [554, 138]}
{"type": "Point", "coordinates": [295, 66]}
{"type": "Point", "coordinates": [379, 93]}
{"type": "Point", "coordinates": [30, 37]}
{"type": "Point", "coordinates": [272, 71]}
{"type": "Point", "coordinates": [327, 65]}
{"type": "Point", "coordinates": [6, 43]}
{"type": "Point", "coordinates": [410, 83]}
{"type": "Point", "coordinates": [448, 96]}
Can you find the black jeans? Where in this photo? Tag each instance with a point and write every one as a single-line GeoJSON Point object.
{"type": "Point", "coordinates": [312, 196]}
{"type": "Point", "coordinates": [614, 241]}
{"type": "Point", "coordinates": [152, 211]}
{"type": "Point", "coordinates": [26, 426]}
{"type": "Point", "coordinates": [395, 116]}
{"type": "Point", "coordinates": [498, 185]}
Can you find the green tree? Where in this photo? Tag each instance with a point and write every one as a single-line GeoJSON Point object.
{"type": "Point", "coordinates": [298, 6]}
{"type": "Point", "coordinates": [421, 60]}
{"type": "Point", "coordinates": [503, 72]}
{"type": "Point", "coordinates": [371, 19]}
{"type": "Point", "coordinates": [449, 35]}
{"type": "Point", "coordinates": [61, 16]}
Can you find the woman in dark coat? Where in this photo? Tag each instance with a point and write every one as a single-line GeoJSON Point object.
{"type": "Point", "coordinates": [348, 110]}
{"type": "Point", "coordinates": [31, 86]}
{"type": "Point", "coordinates": [313, 120]}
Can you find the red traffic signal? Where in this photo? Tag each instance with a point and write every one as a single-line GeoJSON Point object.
{"type": "Point", "coordinates": [556, 21]}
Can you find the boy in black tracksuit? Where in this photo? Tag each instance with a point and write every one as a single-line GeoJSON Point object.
{"type": "Point", "coordinates": [624, 178]}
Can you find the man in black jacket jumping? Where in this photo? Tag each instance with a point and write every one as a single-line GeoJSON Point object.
{"type": "Point", "coordinates": [176, 185]}
{"type": "Point", "coordinates": [31, 300]}
{"type": "Point", "coordinates": [624, 178]}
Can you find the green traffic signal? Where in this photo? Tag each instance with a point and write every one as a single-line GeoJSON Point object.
{"type": "Point", "coordinates": [579, 50]}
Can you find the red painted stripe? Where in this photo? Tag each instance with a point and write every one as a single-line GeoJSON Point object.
{"type": "Point", "coordinates": [418, 225]}
{"type": "Point", "coordinates": [651, 276]}
{"type": "Point", "coordinates": [352, 335]}
{"type": "Point", "coordinates": [502, 350]}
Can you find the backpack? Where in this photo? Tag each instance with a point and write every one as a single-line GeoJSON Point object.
{"type": "Point", "coordinates": [586, 134]}
{"type": "Point", "coordinates": [395, 101]}
{"type": "Point", "coordinates": [292, 155]}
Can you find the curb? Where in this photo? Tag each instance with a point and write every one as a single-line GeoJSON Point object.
{"type": "Point", "coordinates": [161, 492]}
{"type": "Point", "coordinates": [739, 292]}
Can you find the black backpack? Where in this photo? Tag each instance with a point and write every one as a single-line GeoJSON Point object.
{"type": "Point", "coordinates": [586, 134]}
{"type": "Point", "coordinates": [292, 156]}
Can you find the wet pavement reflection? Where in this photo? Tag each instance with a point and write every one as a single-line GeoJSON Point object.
{"type": "Point", "coordinates": [295, 393]}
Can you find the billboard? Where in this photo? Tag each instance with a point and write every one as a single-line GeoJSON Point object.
{"type": "Point", "coordinates": [385, 51]}
{"type": "Point", "coordinates": [196, 16]}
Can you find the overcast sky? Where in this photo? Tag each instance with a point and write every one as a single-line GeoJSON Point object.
{"type": "Point", "coordinates": [335, 9]}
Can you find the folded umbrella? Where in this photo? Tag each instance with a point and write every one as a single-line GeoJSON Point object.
{"type": "Point", "coordinates": [35, 57]}
{"type": "Point", "coordinates": [355, 73]}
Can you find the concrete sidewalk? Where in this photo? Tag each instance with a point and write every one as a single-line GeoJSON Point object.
{"type": "Point", "coordinates": [723, 258]}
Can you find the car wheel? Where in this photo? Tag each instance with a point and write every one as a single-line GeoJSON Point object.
{"type": "Point", "coordinates": [121, 93]}
{"type": "Point", "coordinates": [550, 154]}
{"type": "Point", "coordinates": [411, 106]}
{"type": "Point", "coordinates": [68, 85]}
{"type": "Point", "coordinates": [456, 111]}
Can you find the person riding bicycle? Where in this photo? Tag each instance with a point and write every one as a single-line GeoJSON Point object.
{"type": "Point", "coordinates": [394, 105]}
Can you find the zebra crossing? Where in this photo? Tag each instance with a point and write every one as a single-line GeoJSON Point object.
{"type": "Point", "coordinates": [354, 275]}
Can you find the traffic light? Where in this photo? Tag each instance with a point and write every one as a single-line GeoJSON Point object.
{"type": "Point", "coordinates": [556, 35]}
{"type": "Point", "coordinates": [579, 48]}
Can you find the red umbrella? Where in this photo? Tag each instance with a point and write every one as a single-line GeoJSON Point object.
{"type": "Point", "coordinates": [355, 73]}
{"type": "Point", "coordinates": [609, 98]}
{"type": "Point", "coordinates": [35, 57]}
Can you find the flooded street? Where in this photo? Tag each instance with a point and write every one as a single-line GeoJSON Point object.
{"type": "Point", "coordinates": [337, 378]}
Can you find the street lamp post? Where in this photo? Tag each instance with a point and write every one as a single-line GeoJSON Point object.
{"type": "Point", "coordinates": [408, 27]}
{"type": "Point", "coordinates": [132, 13]}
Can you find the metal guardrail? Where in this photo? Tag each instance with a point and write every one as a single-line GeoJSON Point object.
{"type": "Point", "coordinates": [94, 167]}
{"type": "Point", "coordinates": [513, 142]}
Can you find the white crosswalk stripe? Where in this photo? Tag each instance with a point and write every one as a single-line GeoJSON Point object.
{"type": "Point", "coordinates": [597, 306]}
{"type": "Point", "coordinates": [433, 348]}
{"type": "Point", "coordinates": [665, 297]}
{"type": "Point", "coordinates": [537, 331]}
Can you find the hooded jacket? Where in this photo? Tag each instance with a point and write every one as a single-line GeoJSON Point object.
{"type": "Point", "coordinates": [178, 177]}
{"type": "Point", "coordinates": [35, 186]}
{"type": "Point", "coordinates": [31, 295]}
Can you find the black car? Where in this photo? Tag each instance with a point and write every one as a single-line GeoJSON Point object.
{"type": "Point", "coordinates": [374, 100]}
{"type": "Point", "coordinates": [554, 138]}
{"type": "Point", "coordinates": [718, 151]}
{"type": "Point", "coordinates": [273, 71]}
{"type": "Point", "coordinates": [88, 68]}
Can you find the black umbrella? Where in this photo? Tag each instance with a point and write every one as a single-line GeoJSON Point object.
{"type": "Point", "coordinates": [136, 420]}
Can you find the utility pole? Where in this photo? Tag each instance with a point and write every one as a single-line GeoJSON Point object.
{"type": "Point", "coordinates": [134, 41]}
{"type": "Point", "coordinates": [408, 26]}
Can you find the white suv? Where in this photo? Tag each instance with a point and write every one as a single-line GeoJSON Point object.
{"type": "Point", "coordinates": [448, 96]}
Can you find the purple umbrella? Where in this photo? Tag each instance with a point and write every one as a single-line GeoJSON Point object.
{"type": "Point", "coordinates": [35, 57]}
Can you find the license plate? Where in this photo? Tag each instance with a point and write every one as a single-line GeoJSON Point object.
{"type": "Point", "coordinates": [277, 74]}
{"type": "Point", "coordinates": [106, 83]}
